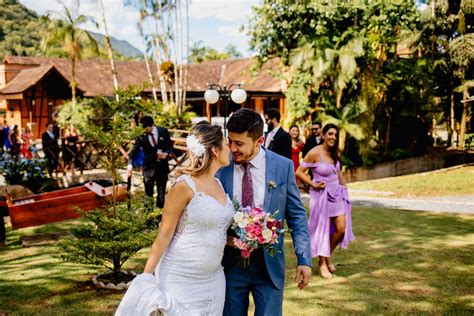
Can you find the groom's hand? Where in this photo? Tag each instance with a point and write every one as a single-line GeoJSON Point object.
{"type": "Point", "coordinates": [303, 274]}
{"type": "Point", "coordinates": [230, 242]}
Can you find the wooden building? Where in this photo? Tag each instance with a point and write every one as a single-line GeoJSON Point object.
{"type": "Point", "coordinates": [31, 88]}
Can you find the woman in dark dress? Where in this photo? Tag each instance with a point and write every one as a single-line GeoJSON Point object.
{"type": "Point", "coordinates": [70, 149]}
{"type": "Point", "coordinates": [15, 142]}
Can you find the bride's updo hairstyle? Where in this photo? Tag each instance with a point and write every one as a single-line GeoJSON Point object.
{"type": "Point", "coordinates": [202, 138]}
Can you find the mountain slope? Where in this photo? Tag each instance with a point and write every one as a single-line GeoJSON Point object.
{"type": "Point", "coordinates": [21, 32]}
{"type": "Point", "coordinates": [123, 47]}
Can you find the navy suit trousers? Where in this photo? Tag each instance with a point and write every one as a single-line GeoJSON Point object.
{"type": "Point", "coordinates": [240, 282]}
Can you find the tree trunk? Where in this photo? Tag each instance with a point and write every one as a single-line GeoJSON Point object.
{"type": "Point", "coordinates": [462, 134]}
{"type": "Point", "coordinates": [147, 64]}
{"type": "Point", "coordinates": [157, 52]}
{"type": "Point", "coordinates": [111, 53]}
{"type": "Point", "coordinates": [150, 77]}
{"type": "Point", "coordinates": [186, 66]}
{"type": "Point", "coordinates": [175, 51]}
{"type": "Point", "coordinates": [179, 28]}
{"type": "Point", "coordinates": [451, 120]}
{"type": "Point", "coordinates": [73, 82]}
{"type": "Point", "coordinates": [387, 133]}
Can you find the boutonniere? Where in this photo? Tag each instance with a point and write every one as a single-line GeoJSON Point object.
{"type": "Point", "coordinates": [271, 185]}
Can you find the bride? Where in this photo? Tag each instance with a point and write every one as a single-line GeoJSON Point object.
{"type": "Point", "coordinates": [186, 254]}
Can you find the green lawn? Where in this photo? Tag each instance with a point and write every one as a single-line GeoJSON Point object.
{"type": "Point", "coordinates": [451, 182]}
{"type": "Point", "coordinates": [402, 262]}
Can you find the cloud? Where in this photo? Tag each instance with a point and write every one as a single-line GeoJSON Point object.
{"type": "Point", "coordinates": [223, 10]}
{"type": "Point", "coordinates": [121, 21]}
{"type": "Point", "coordinates": [210, 17]}
{"type": "Point", "coordinates": [231, 31]}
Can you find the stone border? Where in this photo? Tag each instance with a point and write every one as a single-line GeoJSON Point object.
{"type": "Point", "coordinates": [111, 286]}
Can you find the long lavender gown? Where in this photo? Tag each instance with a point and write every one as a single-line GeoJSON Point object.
{"type": "Point", "coordinates": [329, 202]}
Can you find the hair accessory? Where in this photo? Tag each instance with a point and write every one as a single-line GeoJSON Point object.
{"type": "Point", "coordinates": [195, 146]}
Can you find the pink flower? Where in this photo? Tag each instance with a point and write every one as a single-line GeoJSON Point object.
{"type": "Point", "coordinates": [245, 253]}
{"type": "Point", "coordinates": [240, 244]}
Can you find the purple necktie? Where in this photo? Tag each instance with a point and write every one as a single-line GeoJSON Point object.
{"type": "Point", "coordinates": [247, 186]}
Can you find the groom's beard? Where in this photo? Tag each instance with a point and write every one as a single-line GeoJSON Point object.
{"type": "Point", "coordinates": [270, 127]}
{"type": "Point", "coordinates": [243, 158]}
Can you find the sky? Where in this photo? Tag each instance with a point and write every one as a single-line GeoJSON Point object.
{"type": "Point", "coordinates": [214, 22]}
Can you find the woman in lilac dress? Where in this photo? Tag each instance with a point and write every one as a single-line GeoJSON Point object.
{"type": "Point", "coordinates": [330, 221]}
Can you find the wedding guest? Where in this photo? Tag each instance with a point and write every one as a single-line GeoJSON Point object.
{"type": "Point", "coordinates": [296, 145]}
{"type": "Point", "coordinates": [314, 139]}
{"type": "Point", "coordinates": [15, 142]}
{"type": "Point", "coordinates": [277, 139]}
{"type": "Point", "coordinates": [70, 149]}
{"type": "Point", "coordinates": [140, 156]}
{"type": "Point", "coordinates": [26, 137]}
{"type": "Point", "coordinates": [330, 221]}
{"type": "Point", "coordinates": [137, 117]}
{"type": "Point", "coordinates": [6, 132]}
{"type": "Point", "coordinates": [3, 136]}
{"type": "Point", "coordinates": [183, 274]}
{"type": "Point", "coordinates": [51, 149]}
{"type": "Point", "coordinates": [157, 147]}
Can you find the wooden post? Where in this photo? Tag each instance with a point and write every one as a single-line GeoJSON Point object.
{"type": "Point", "coordinates": [282, 106]}
{"type": "Point", "coordinates": [259, 105]}
{"type": "Point", "coordinates": [208, 112]}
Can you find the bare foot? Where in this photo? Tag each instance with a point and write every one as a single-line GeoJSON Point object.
{"type": "Point", "coordinates": [324, 272]}
{"type": "Point", "coordinates": [323, 269]}
{"type": "Point", "coordinates": [331, 266]}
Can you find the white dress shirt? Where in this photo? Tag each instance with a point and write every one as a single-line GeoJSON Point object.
{"type": "Point", "coordinates": [154, 132]}
{"type": "Point", "coordinates": [51, 134]}
{"type": "Point", "coordinates": [270, 136]}
{"type": "Point", "coordinates": [257, 170]}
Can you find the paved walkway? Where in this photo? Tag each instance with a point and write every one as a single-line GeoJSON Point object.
{"type": "Point", "coordinates": [444, 204]}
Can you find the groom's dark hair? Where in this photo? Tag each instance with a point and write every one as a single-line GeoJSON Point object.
{"type": "Point", "coordinates": [246, 120]}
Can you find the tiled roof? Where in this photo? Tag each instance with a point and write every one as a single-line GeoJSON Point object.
{"type": "Point", "coordinates": [26, 78]}
{"type": "Point", "coordinates": [94, 76]}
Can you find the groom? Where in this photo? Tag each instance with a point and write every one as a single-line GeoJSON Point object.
{"type": "Point", "coordinates": [260, 178]}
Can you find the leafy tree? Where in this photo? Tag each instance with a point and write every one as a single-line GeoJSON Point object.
{"type": "Point", "coordinates": [65, 33]}
{"type": "Point", "coordinates": [232, 51]}
{"type": "Point", "coordinates": [349, 51]}
{"type": "Point", "coordinates": [199, 53]}
{"type": "Point", "coordinates": [462, 55]}
{"type": "Point", "coordinates": [21, 30]}
{"type": "Point", "coordinates": [119, 230]}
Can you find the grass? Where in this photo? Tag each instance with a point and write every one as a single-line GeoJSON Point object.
{"type": "Point", "coordinates": [401, 263]}
{"type": "Point", "coordinates": [458, 181]}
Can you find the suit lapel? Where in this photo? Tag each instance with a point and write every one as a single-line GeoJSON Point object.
{"type": "Point", "coordinates": [228, 175]}
{"type": "Point", "coordinates": [270, 171]}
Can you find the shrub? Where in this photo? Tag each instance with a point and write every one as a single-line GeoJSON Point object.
{"type": "Point", "coordinates": [107, 240]}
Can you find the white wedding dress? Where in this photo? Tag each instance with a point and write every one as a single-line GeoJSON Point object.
{"type": "Point", "coordinates": [189, 279]}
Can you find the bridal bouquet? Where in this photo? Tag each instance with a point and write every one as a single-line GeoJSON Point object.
{"type": "Point", "coordinates": [255, 229]}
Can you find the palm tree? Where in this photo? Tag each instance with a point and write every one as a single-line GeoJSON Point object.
{"type": "Point", "coordinates": [110, 51]}
{"type": "Point", "coordinates": [345, 119]}
{"type": "Point", "coordinates": [462, 54]}
{"type": "Point", "coordinates": [64, 32]}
